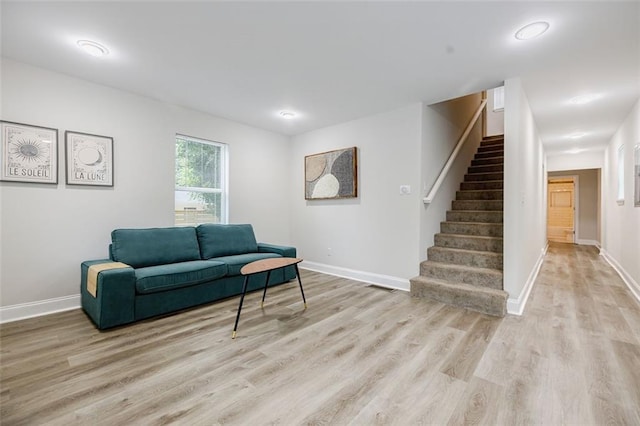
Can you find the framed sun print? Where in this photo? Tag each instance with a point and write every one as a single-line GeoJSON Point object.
{"type": "Point", "coordinates": [28, 153]}
{"type": "Point", "coordinates": [89, 159]}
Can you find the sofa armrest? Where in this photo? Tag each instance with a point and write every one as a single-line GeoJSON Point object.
{"type": "Point", "coordinates": [114, 303]}
{"type": "Point", "coordinates": [283, 251]}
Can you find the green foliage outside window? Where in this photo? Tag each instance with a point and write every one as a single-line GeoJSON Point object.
{"type": "Point", "coordinates": [199, 173]}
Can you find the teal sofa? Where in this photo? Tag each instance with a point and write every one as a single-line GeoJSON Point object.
{"type": "Point", "coordinates": [170, 269]}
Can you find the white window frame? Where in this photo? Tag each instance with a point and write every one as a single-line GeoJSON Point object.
{"type": "Point", "coordinates": [224, 176]}
{"type": "Point", "coordinates": [498, 99]}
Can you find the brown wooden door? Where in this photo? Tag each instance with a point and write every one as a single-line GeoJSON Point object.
{"type": "Point", "coordinates": [560, 212]}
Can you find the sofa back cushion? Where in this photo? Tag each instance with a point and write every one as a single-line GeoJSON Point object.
{"type": "Point", "coordinates": [154, 246]}
{"type": "Point", "coordinates": [225, 240]}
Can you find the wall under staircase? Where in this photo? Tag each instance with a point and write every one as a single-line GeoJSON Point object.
{"type": "Point", "coordinates": [464, 267]}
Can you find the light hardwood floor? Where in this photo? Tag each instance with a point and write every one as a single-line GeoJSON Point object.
{"type": "Point", "coordinates": [357, 355]}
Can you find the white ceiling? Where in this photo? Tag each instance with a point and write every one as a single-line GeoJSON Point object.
{"type": "Point", "coordinates": [336, 61]}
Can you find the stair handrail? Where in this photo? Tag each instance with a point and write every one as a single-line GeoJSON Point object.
{"type": "Point", "coordinates": [445, 170]}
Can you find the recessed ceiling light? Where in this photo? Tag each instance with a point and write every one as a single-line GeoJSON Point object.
{"type": "Point", "coordinates": [584, 99]}
{"type": "Point", "coordinates": [93, 48]}
{"type": "Point", "coordinates": [577, 135]}
{"type": "Point", "coordinates": [532, 30]}
{"type": "Point", "coordinates": [288, 115]}
{"type": "Point", "coordinates": [575, 151]}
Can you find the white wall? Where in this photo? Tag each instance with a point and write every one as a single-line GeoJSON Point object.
{"type": "Point", "coordinates": [375, 235]}
{"type": "Point", "coordinates": [495, 119]}
{"type": "Point", "coordinates": [524, 197]}
{"type": "Point", "coordinates": [579, 161]}
{"type": "Point", "coordinates": [259, 163]}
{"type": "Point", "coordinates": [621, 231]}
{"type": "Point", "coordinates": [49, 230]}
{"type": "Point", "coordinates": [1, 192]}
{"type": "Point", "coordinates": [442, 126]}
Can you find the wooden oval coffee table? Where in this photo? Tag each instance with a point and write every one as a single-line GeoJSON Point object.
{"type": "Point", "coordinates": [266, 265]}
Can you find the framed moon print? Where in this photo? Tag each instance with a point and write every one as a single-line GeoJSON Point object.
{"type": "Point", "coordinates": [89, 159]}
{"type": "Point", "coordinates": [28, 153]}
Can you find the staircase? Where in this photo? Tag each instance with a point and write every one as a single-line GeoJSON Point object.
{"type": "Point", "coordinates": [464, 268]}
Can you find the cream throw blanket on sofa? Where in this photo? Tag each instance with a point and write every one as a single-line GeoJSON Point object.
{"type": "Point", "coordinates": [94, 270]}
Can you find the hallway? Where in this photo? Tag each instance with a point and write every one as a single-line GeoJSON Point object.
{"type": "Point", "coordinates": [574, 356]}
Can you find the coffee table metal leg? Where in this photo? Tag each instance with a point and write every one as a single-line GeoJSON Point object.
{"type": "Point", "coordinates": [244, 291]}
{"type": "Point", "coordinates": [300, 282]}
{"type": "Point", "coordinates": [266, 283]}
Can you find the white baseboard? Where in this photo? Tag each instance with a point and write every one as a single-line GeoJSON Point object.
{"type": "Point", "coordinates": [628, 279]}
{"type": "Point", "coordinates": [367, 277]}
{"type": "Point", "coordinates": [35, 309]}
{"type": "Point", "coordinates": [588, 243]}
{"type": "Point", "coordinates": [516, 306]}
{"type": "Point", "coordinates": [59, 304]}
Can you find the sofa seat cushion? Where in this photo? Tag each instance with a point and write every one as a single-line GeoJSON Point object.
{"type": "Point", "coordinates": [236, 262]}
{"type": "Point", "coordinates": [154, 246]}
{"type": "Point", "coordinates": [153, 279]}
{"type": "Point", "coordinates": [225, 240]}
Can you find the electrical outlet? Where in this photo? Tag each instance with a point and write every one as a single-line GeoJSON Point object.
{"type": "Point", "coordinates": [329, 251]}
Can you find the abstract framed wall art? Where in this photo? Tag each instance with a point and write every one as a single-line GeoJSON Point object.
{"type": "Point", "coordinates": [331, 175]}
{"type": "Point", "coordinates": [89, 159]}
{"type": "Point", "coordinates": [28, 153]}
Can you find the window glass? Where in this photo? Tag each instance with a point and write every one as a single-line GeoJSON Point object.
{"type": "Point", "coordinates": [201, 176]}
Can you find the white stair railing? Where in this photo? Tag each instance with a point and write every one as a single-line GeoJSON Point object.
{"type": "Point", "coordinates": [443, 174]}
